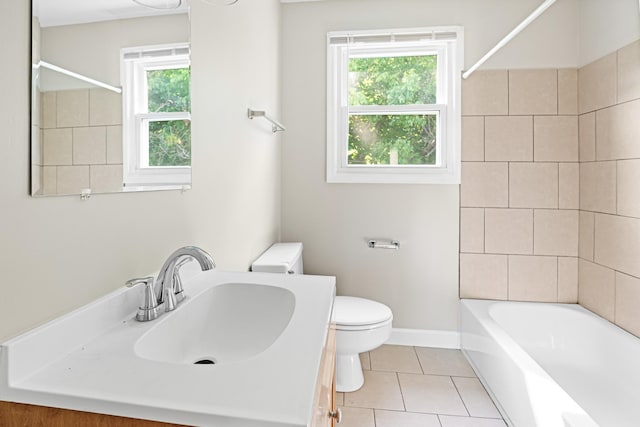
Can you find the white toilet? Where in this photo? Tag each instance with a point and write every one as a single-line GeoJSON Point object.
{"type": "Point", "coordinates": [361, 324]}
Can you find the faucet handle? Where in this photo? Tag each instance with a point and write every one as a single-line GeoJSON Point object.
{"type": "Point", "coordinates": [150, 309]}
{"type": "Point", "coordinates": [178, 290]}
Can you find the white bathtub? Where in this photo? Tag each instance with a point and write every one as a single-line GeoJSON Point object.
{"type": "Point", "coordinates": [553, 365]}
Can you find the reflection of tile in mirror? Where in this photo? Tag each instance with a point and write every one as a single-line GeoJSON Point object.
{"type": "Point", "coordinates": [105, 107]}
{"type": "Point", "coordinates": [89, 145]}
{"type": "Point", "coordinates": [36, 178]}
{"type": "Point", "coordinates": [72, 179]}
{"type": "Point", "coordinates": [73, 108]}
{"type": "Point", "coordinates": [106, 178]}
{"type": "Point", "coordinates": [49, 110]}
{"type": "Point", "coordinates": [36, 145]}
{"type": "Point", "coordinates": [57, 147]}
{"type": "Point", "coordinates": [114, 145]}
{"type": "Point", "coordinates": [49, 180]}
{"type": "Point", "coordinates": [36, 108]}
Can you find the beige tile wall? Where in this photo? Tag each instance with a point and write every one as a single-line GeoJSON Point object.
{"type": "Point", "coordinates": [520, 219]}
{"type": "Point", "coordinates": [550, 195]}
{"type": "Point", "coordinates": [609, 229]}
{"type": "Point", "coordinates": [81, 141]}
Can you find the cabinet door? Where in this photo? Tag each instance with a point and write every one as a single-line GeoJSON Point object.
{"type": "Point", "coordinates": [324, 404]}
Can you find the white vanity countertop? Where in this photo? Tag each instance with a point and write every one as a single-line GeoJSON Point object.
{"type": "Point", "coordinates": [85, 361]}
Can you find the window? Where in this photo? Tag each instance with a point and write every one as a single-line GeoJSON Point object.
{"type": "Point", "coordinates": [393, 106]}
{"type": "Point", "coordinates": [156, 115]}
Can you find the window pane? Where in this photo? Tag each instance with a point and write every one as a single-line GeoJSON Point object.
{"type": "Point", "coordinates": [170, 143]}
{"type": "Point", "coordinates": [169, 90]}
{"type": "Point", "coordinates": [396, 80]}
{"type": "Point", "coordinates": [392, 139]}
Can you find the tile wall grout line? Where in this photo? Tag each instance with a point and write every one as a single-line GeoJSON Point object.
{"type": "Point", "coordinates": [617, 186]}
{"type": "Point", "coordinates": [615, 288]}
{"type": "Point", "coordinates": [595, 135]}
{"type": "Point", "coordinates": [557, 279]}
{"type": "Point", "coordinates": [533, 138]}
{"type": "Point", "coordinates": [593, 245]}
{"type": "Point", "coordinates": [484, 230]}
{"type": "Point", "coordinates": [557, 91]}
{"type": "Point", "coordinates": [484, 138]}
{"type": "Point", "coordinates": [508, 259]}
{"type": "Point", "coordinates": [609, 268]}
{"type": "Point", "coordinates": [559, 185]}
{"type": "Point", "coordinates": [533, 231]}
{"type": "Point", "coordinates": [508, 184]}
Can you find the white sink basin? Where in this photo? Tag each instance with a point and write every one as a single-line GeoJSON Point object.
{"type": "Point", "coordinates": [265, 332]}
{"type": "Point", "coordinates": [227, 323]}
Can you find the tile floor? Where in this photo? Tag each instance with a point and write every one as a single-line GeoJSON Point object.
{"type": "Point", "coordinates": [418, 387]}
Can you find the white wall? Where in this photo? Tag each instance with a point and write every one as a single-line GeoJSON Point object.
{"type": "Point", "coordinates": [58, 253]}
{"type": "Point", "coordinates": [94, 49]}
{"type": "Point", "coordinates": [419, 281]}
{"type": "Point", "coordinates": [605, 26]}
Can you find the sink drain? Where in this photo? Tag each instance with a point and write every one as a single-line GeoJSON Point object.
{"type": "Point", "coordinates": [204, 362]}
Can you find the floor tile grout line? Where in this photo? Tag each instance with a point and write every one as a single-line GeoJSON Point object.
{"type": "Point", "coordinates": [416, 413]}
{"type": "Point", "coordinates": [435, 375]}
{"type": "Point", "coordinates": [404, 405]}
{"type": "Point", "coordinates": [399, 372]}
{"type": "Point", "coordinates": [415, 350]}
{"type": "Point", "coordinates": [460, 395]}
{"type": "Point", "coordinates": [437, 415]}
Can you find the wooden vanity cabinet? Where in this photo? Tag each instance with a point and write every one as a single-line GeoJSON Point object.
{"type": "Point", "coordinates": [23, 415]}
{"type": "Point", "coordinates": [324, 405]}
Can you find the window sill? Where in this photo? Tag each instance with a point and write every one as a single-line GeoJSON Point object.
{"type": "Point", "coordinates": [391, 176]}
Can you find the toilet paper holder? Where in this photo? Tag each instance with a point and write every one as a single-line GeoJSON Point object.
{"type": "Point", "coordinates": [383, 244]}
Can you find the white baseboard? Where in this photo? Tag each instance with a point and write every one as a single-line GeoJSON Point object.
{"type": "Point", "coordinates": [425, 338]}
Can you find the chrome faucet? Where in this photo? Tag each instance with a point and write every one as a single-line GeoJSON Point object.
{"type": "Point", "coordinates": [167, 290]}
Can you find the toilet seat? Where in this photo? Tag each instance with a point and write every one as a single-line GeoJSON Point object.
{"type": "Point", "coordinates": [358, 314]}
{"type": "Point", "coordinates": [340, 327]}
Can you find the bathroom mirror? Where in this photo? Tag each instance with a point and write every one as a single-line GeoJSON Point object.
{"type": "Point", "coordinates": [110, 96]}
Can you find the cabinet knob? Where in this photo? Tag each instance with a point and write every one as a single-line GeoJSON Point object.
{"type": "Point", "coordinates": [336, 415]}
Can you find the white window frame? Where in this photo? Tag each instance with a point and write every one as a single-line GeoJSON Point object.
{"type": "Point", "coordinates": [135, 62]}
{"type": "Point", "coordinates": [445, 42]}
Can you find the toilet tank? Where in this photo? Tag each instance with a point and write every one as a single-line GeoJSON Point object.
{"type": "Point", "coordinates": [283, 258]}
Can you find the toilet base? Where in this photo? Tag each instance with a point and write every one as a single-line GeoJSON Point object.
{"type": "Point", "coordinates": [349, 375]}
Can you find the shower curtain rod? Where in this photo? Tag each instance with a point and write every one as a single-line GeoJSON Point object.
{"type": "Point", "coordinates": [524, 24]}
{"type": "Point", "coordinates": [78, 76]}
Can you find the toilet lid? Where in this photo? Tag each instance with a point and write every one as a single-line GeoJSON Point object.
{"type": "Point", "coordinates": [352, 311]}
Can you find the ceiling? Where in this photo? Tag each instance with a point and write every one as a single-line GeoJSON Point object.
{"type": "Point", "coordinates": [67, 12]}
{"type": "Point", "coordinates": [53, 13]}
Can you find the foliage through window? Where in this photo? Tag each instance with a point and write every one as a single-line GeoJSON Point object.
{"type": "Point", "coordinates": [157, 118]}
{"type": "Point", "coordinates": [393, 106]}
{"type": "Point", "coordinates": [406, 139]}
{"type": "Point", "coordinates": [169, 140]}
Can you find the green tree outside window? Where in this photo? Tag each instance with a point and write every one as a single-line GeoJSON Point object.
{"type": "Point", "coordinates": [383, 139]}
{"type": "Point", "coordinates": [169, 140]}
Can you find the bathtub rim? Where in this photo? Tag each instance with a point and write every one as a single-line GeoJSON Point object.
{"type": "Point", "coordinates": [480, 310]}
